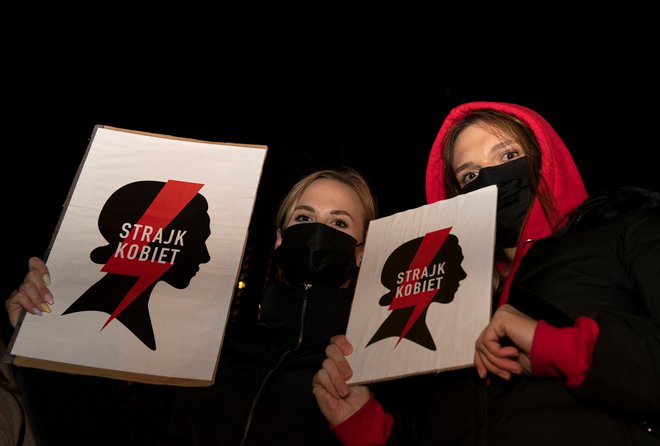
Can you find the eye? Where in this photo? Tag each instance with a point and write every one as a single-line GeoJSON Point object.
{"type": "Point", "coordinates": [512, 154]}
{"type": "Point", "coordinates": [339, 223]}
{"type": "Point", "coordinates": [467, 177]}
{"type": "Point", "coordinates": [302, 218]}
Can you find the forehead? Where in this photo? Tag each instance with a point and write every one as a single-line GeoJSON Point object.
{"type": "Point", "coordinates": [332, 194]}
{"type": "Point", "coordinates": [477, 133]}
{"type": "Point", "coordinates": [476, 139]}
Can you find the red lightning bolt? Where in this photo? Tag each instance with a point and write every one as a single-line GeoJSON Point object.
{"type": "Point", "coordinates": [172, 198]}
{"type": "Point", "coordinates": [425, 253]}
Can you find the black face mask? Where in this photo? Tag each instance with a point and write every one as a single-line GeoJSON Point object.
{"type": "Point", "coordinates": [316, 253]}
{"type": "Point", "coordinates": [514, 195]}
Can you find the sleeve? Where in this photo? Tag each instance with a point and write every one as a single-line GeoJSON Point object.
{"type": "Point", "coordinates": [564, 352]}
{"type": "Point", "coordinates": [621, 370]}
{"type": "Point", "coordinates": [370, 425]}
{"type": "Point", "coordinates": [625, 373]}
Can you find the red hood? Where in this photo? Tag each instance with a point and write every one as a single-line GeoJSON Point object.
{"type": "Point", "coordinates": [557, 168]}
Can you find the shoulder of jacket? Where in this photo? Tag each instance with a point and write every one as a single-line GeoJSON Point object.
{"type": "Point", "coordinates": [613, 204]}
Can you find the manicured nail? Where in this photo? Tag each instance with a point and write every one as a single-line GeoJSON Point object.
{"type": "Point", "coordinates": [44, 306]}
{"type": "Point", "coordinates": [36, 311]}
{"type": "Point", "coordinates": [49, 298]}
{"type": "Point", "coordinates": [46, 279]}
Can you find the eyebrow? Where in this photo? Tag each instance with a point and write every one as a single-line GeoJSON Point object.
{"type": "Point", "coordinates": [494, 148]}
{"type": "Point", "coordinates": [333, 212]}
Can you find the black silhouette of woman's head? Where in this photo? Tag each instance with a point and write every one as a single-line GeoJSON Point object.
{"type": "Point", "coordinates": [416, 275]}
{"type": "Point", "coordinates": [156, 232]}
{"type": "Point", "coordinates": [129, 203]}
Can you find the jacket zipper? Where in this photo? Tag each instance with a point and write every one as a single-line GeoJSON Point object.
{"type": "Point", "coordinates": [279, 363]}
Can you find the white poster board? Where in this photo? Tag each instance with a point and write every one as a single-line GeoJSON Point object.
{"type": "Point", "coordinates": [424, 290]}
{"type": "Point", "coordinates": [145, 259]}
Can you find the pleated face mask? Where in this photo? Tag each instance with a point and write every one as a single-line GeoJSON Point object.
{"type": "Point", "coordinates": [316, 253]}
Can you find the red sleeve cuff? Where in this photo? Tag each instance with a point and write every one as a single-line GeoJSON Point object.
{"type": "Point", "coordinates": [370, 425]}
{"type": "Point", "coordinates": [564, 352]}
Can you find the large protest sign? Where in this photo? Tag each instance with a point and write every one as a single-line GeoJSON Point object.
{"type": "Point", "coordinates": [424, 290]}
{"type": "Point", "coordinates": [145, 259]}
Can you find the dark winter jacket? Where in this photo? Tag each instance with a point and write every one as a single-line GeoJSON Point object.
{"type": "Point", "coordinates": [262, 393]}
{"type": "Point", "coordinates": [263, 388]}
{"type": "Point", "coordinates": [603, 267]}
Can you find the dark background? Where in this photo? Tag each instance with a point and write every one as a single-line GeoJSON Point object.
{"type": "Point", "coordinates": [383, 125]}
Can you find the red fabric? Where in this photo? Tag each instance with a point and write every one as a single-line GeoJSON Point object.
{"type": "Point", "coordinates": [564, 352]}
{"type": "Point", "coordinates": [557, 168]}
{"type": "Point", "coordinates": [370, 425]}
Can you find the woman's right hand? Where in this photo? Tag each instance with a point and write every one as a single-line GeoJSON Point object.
{"type": "Point", "coordinates": [491, 355]}
{"type": "Point", "coordinates": [33, 294]}
{"type": "Point", "coordinates": [336, 399]}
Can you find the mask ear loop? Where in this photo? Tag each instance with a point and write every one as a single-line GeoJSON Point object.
{"type": "Point", "coordinates": [358, 261]}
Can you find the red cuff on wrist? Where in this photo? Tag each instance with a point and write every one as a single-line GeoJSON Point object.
{"type": "Point", "coordinates": [370, 425]}
{"type": "Point", "coordinates": [564, 352]}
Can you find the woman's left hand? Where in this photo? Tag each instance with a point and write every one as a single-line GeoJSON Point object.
{"type": "Point", "coordinates": [336, 399]}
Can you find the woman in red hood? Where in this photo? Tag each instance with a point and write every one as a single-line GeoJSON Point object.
{"type": "Point", "coordinates": [572, 352]}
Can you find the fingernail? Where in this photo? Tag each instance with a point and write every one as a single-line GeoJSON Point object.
{"type": "Point", "coordinates": [36, 311]}
{"type": "Point", "coordinates": [44, 306]}
{"type": "Point", "coordinates": [46, 279]}
{"type": "Point", "coordinates": [49, 298]}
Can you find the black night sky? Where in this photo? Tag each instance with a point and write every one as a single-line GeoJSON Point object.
{"type": "Point", "coordinates": [382, 124]}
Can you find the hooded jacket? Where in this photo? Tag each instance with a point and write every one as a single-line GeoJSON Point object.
{"type": "Point", "coordinates": [593, 283]}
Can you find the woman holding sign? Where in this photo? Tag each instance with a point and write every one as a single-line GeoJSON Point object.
{"type": "Point", "coordinates": [572, 352]}
{"type": "Point", "coordinates": [262, 392]}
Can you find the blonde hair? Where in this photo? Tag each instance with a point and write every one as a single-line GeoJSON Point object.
{"type": "Point", "coordinates": [346, 175]}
